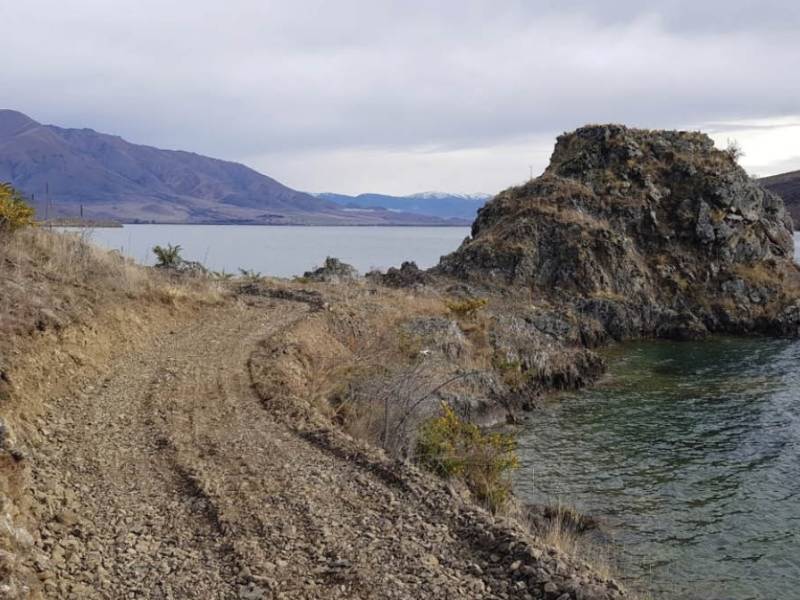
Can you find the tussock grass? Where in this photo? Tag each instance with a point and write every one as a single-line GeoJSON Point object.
{"type": "Point", "coordinates": [564, 527]}
{"type": "Point", "coordinates": [51, 279]}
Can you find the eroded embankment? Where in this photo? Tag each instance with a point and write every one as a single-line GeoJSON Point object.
{"type": "Point", "coordinates": [50, 378]}
{"type": "Point", "coordinates": [300, 373]}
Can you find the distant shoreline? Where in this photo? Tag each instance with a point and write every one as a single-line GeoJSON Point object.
{"type": "Point", "coordinates": [79, 223]}
{"type": "Point", "coordinates": [91, 224]}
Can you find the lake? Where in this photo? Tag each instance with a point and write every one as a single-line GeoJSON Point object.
{"type": "Point", "coordinates": [690, 455]}
{"type": "Point", "coordinates": [284, 251]}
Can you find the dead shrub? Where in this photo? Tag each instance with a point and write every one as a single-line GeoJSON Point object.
{"type": "Point", "coordinates": [386, 407]}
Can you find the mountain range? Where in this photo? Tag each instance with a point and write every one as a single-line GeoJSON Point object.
{"type": "Point", "coordinates": [69, 171]}
{"type": "Point", "coordinates": [787, 186]}
{"type": "Point", "coordinates": [439, 204]}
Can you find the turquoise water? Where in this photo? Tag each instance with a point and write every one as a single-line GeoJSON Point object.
{"type": "Point", "coordinates": [690, 454]}
{"type": "Point", "coordinates": [285, 251]}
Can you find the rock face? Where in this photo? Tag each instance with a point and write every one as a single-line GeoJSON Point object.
{"type": "Point", "coordinates": [636, 233]}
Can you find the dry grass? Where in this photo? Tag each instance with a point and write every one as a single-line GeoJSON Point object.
{"type": "Point", "coordinates": [51, 279]}
{"type": "Point", "coordinates": [760, 273]}
{"type": "Point", "coordinates": [357, 364]}
{"type": "Point", "coordinates": [56, 286]}
{"type": "Point", "coordinates": [564, 528]}
{"type": "Point", "coordinates": [608, 295]}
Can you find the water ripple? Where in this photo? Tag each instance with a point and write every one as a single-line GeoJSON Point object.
{"type": "Point", "coordinates": [692, 452]}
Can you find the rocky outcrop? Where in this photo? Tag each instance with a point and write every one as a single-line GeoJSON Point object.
{"type": "Point", "coordinates": [333, 271]}
{"type": "Point", "coordinates": [407, 276]}
{"type": "Point", "coordinates": [183, 267]}
{"type": "Point", "coordinates": [633, 233]}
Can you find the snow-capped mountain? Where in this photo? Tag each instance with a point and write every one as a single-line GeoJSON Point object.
{"type": "Point", "coordinates": [433, 195]}
{"type": "Point", "coordinates": [438, 204]}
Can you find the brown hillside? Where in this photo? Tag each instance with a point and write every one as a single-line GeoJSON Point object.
{"type": "Point", "coordinates": [787, 186]}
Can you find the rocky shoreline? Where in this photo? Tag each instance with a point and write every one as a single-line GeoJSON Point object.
{"type": "Point", "coordinates": [629, 234]}
{"type": "Point", "coordinates": [510, 562]}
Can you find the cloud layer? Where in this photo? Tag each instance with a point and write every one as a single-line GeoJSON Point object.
{"type": "Point", "coordinates": [402, 96]}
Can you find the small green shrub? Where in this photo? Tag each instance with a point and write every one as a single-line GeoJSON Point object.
{"type": "Point", "coordinates": [15, 212]}
{"type": "Point", "coordinates": [168, 257]}
{"type": "Point", "coordinates": [224, 275]}
{"type": "Point", "coordinates": [249, 274]}
{"type": "Point", "coordinates": [512, 372]}
{"type": "Point", "coordinates": [468, 307]}
{"type": "Point", "coordinates": [453, 447]}
{"type": "Point", "coordinates": [410, 345]}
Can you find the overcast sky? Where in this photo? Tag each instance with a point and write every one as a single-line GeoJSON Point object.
{"type": "Point", "coordinates": [401, 97]}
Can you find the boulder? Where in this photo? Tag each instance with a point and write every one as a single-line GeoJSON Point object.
{"type": "Point", "coordinates": [332, 271]}
{"type": "Point", "coordinates": [409, 275]}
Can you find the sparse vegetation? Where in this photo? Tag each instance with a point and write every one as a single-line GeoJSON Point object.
{"type": "Point", "coordinates": [169, 256]}
{"type": "Point", "coordinates": [734, 150]}
{"type": "Point", "coordinates": [387, 406]}
{"type": "Point", "coordinates": [15, 212]}
{"type": "Point", "coordinates": [564, 527]}
{"type": "Point", "coordinates": [249, 274]}
{"type": "Point", "coordinates": [409, 345]}
{"type": "Point", "coordinates": [51, 279]}
{"type": "Point", "coordinates": [467, 308]}
{"type": "Point", "coordinates": [453, 447]}
{"type": "Point", "coordinates": [512, 372]}
{"type": "Point", "coordinates": [223, 275]}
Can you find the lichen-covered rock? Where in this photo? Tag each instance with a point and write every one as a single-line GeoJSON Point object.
{"type": "Point", "coordinates": [184, 268]}
{"type": "Point", "coordinates": [641, 233]}
{"type": "Point", "coordinates": [437, 334]}
{"type": "Point", "coordinates": [332, 271]}
{"type": "Point", "coordinates": [408, 275]}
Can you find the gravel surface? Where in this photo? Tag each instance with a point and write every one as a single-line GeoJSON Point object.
{"type": "Point", "coordinates": [171, 478]}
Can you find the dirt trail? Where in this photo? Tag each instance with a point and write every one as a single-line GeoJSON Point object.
{"type": "Point", "coordinates": [170, 478]}
{"type": "Point", "coordinates": [177, 483]}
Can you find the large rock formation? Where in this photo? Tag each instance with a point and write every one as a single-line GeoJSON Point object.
{"type": "Point", "coordinates": [632, 233]}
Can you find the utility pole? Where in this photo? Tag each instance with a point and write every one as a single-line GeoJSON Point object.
{"type": "Point", "coordinates": [531, 170]}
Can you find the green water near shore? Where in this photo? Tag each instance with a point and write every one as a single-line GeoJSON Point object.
{"type": "Point", "coordinates": [690, 455]}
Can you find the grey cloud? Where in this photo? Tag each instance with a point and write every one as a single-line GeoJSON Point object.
{"type": "Point", "coordinates": [247, 77]}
